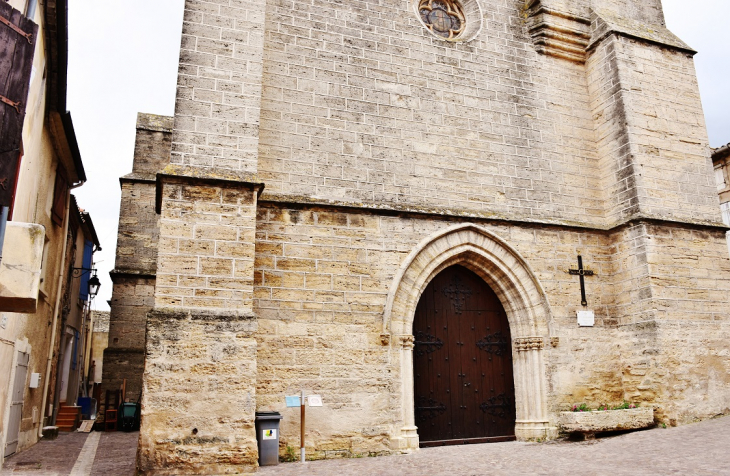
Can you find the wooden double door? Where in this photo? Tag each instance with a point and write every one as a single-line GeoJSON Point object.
{"type": "Point", "coordinates": [462, 363]}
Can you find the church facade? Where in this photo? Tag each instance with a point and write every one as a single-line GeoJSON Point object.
{"type": "Point", "coordinates": [402, 205]}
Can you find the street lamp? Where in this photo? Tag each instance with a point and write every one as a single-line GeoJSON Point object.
{"type": "Point", "coordinates": [93, 284]}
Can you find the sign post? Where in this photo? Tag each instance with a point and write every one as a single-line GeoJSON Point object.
{"type": "Point", "coordinates": [302, 437]}
{"type": "Point", "coordinates": [297, 401]}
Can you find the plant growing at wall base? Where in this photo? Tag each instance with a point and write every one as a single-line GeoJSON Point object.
{"type": "Point", "coordinates": [290, 456]}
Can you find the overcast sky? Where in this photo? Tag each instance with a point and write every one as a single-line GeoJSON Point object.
{"type": "Point", "coordinates": [123, 60]}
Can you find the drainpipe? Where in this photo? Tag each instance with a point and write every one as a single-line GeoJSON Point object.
{"type": "Point", "coordinates": [49, 362]}
{"type": "Point", "coordinates": [3, 224]}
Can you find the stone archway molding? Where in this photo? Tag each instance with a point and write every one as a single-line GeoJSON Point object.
{"type": "Point", "coordinates": [524, 301]}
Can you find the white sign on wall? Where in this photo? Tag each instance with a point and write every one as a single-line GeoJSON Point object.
{"type": "Point", "coordinates": [314, 400]}
{"type": "Point", "coordinates": [586, 318]}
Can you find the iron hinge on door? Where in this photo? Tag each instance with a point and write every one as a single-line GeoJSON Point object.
{"type": "Point", "coordinates": [14, 104]}
{"type": "Point", "coordinates": [27, 36]}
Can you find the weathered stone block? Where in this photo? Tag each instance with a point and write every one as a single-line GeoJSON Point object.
{"type": "Point", "coordinates": [608, 420]}
{"type": "Point", "coordinates": [20, 269]}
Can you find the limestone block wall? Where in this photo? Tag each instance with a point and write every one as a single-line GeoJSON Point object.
{"type": "Point", "coordinates": [219, 85]}
{"type": "Point", "coordinates": [206, 247]}
{"type": "Point", "coordinates": [361, 104]}
{"type": "Point", "coordinates": [138, 233]}
{"type": "Point", "coordinates": [132, 299]}
{"type": "Point", "coordinates": [652, 139]}
{"type": "Point", "coordinates": [321, 282]}
{"type": "Point", "coordinates": [207, 205]}
{"type": "Point", "coordinates": [136, 257]}
{"type": "Point", "coordinates": [200, 370]}
{"type": "Point", "coordinates": [370, 136]}
{"type": "Point", "coordinates": [152, 143]}
{"type": "Point", "coordinates": [199, 395]}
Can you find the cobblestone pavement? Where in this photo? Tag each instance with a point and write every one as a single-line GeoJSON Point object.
{"type": "Point", "coordinates": [697, 449]}
{"type": "Point", "coordinates": [114, 456]}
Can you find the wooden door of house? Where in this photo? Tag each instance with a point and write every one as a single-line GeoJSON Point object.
{"type": "Point", "coordinates": [16, 403]}
{"type": "Point", "coordinates": [462, 363]}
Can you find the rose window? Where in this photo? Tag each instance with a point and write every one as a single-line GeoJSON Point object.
{"type": "Point", "coordinates": [443, 17]}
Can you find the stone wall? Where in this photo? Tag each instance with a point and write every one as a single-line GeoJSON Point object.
{"type": "Point", "coordinates": [136, 258]}
{"type": "Point", "coordinates": [199, 395]}
{"type": "Point", "coordinates": [322, 280]}
{"type": "Point", "coordinates": [399, 118]}
{"type": "Point", "coordinates": [132, 299]}
{"type": "Point", "coordinates": [388, 154]}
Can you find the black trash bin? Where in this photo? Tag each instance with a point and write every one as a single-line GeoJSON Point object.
{"type": "Point", "coordinates": [128, 416]}
{"type": "Point", "coordinates": [267, 436]}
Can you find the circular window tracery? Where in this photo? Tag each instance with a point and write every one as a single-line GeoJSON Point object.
{"type": "Point", "coordinates": [444, 18]}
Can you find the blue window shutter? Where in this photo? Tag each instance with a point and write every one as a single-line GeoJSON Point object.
{"type": "Point", "coordinates": [86, 264]}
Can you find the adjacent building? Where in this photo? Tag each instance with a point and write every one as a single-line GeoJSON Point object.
{"type": "Point", "coordinates": [49, 241]}
{"type": "Point", "coordinates": [721, 163]}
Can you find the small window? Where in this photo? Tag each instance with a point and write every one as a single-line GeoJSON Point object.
{"type": "Point", "coordinates": [445, 18]}
{"type": "Point", "coordinates": [725, 207]}
{"type": "Point", "coordinates": [60, 193]}
{"type": "Point", "coordinates": [720, 177]}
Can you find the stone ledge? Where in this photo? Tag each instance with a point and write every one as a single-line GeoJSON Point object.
{"type": "Point", "coordinates": [607, 22]}
{"type": "Point", "coordinates": [201, 315]}
{"type": "Point", "coordinates": [124, 350]}
{"type": "Point", "coordinates": [301, 201]}
{"type": "Point", "coordinates": [137, 177]}
{"type": "Point", "coordinates": [116, 274]}
{"type": "Point", "coordinates": [155, 122]}
{"type": "Point", "coordinates": [187, 174]}
{"type": "Point", "coordinates": [608, 420]}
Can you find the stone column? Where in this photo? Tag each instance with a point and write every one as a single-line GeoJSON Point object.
{"type": "Point", "coordinates": [531, 408]}
{"type": "Point", "coordinates": [408, 438]}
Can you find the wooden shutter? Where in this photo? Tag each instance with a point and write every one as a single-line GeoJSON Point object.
{"type": "Point", "coordinates": [60, 192]}
{"type": "Point", "coordinates": [17, 45]}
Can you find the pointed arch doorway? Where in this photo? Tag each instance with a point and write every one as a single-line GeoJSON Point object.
{"type": "Point", "coordinates": [462, 362]}
{"type": "Point", "coordinates": [528, 312]}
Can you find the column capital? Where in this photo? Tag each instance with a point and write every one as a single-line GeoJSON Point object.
{"type": "Point", "coordinates": [522, 344]}
{"type": "Point", "coordinates": [406, 341]}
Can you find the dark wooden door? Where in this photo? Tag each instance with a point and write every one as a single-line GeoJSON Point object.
{"type": "Point", "coordinates": [462, 362]}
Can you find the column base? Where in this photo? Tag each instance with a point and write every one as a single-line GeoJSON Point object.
{"type": "Point", "coordinates": [407, 440]}
{"type": "Point", "coordinates": [531, 430]}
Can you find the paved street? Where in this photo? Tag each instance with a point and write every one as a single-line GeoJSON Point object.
{"type": "Point", "coordinates": [698, 449]}
{"type": "Point", "coordinates": [79, 454]}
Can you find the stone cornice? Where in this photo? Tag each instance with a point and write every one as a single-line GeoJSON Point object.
{"type": "Point", "coordinates": [450, 212]}
{"type": "Point", "coordinates": [606, 23]}
{"type": "Point", "coordinates": [572, 36]}
{"type": "Point", "coordinates": [138, 178]}
{"type": "Point", "coordinates": [230, 315]}
{"type": "Point", "coordinates": [116, 274]}
{"type": "Point", "coordinates": [186, 174]}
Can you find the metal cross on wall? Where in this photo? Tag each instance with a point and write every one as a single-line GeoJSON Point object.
{"type": "Point", "coordinates": [580, 271]}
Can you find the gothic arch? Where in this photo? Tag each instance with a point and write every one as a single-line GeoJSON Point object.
{"type": "Point", "coordinates": [521, 294]}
